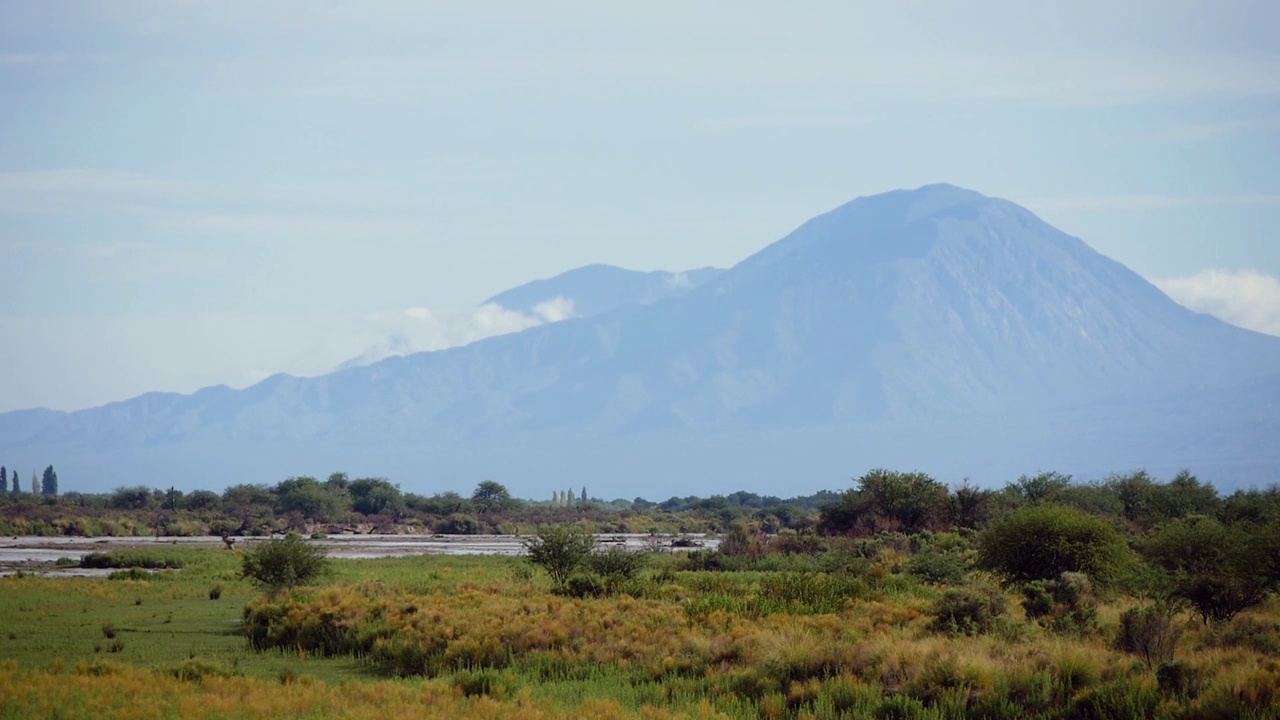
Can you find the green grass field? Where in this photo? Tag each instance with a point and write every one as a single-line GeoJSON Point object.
{"type": "Point", "coordinates": [440, 636]}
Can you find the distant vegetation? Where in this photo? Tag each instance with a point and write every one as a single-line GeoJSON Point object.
{"type": "Point", "coordinates": [302, 503]}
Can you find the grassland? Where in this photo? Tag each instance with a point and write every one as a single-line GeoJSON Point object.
{"type": "Point", "coordinates": [438, 636]}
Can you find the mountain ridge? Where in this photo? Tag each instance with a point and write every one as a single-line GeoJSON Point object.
{"type": "Point", "coordinates": [911, 307]}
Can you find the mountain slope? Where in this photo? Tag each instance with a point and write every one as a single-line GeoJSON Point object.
{"type": "Point", "coordinates": [940, 322]}
{"type": "Point", "coordinates": [598, 289]}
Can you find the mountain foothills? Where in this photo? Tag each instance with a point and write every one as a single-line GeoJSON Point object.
{"type": "Point", "coordinates": [934, 329]}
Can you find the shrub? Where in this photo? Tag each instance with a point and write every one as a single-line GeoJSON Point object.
{"type": "Point", "coordinates": [617, 566]}
{"type": "Point", "coordinates": [1179, 679]}
{"type": "Point", "coordinates": [582, 585]}
{"type": "Point", "coordinates": [936, 567]}
{"type": "Point", "coordinates": [215, 592]}
{"type": "Point", "coordinates": [1064, 605]}
{"type": "Point", "coordinates": [196, 670]}
{"type": "Point", "coordinates": [1043, 541]}
{"type": "Point", "coordinates": [1220, 569]}
{"type": "Point", "coordinates": [280, 564]}
{"type": "Point", "coordinates": [132, 573]}
{"type": "Point", "coordinates": [1148, 633]}
{"type": "Point", "coordinates": [1262, 637]}
{"type": "Point", "coordinates": [968, 611]}
{"type": "Point", "coordinates": [560, 550]}
{"type": "Point", "coordinates": [129, 559]}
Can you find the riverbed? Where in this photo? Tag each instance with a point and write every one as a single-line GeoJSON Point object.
{"type": "Point", "coordinates": [39, 554]}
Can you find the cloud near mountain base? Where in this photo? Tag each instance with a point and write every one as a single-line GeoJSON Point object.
{"type": "Point", "coordinates": [1246, 298]}
{"type": "Point", "coordinates": [420, 329]}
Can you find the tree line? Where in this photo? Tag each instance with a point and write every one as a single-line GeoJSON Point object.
{"type": "Point", "coordinates": [46, 484]}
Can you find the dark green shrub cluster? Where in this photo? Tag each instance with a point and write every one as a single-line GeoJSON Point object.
{"type": "Point", "coordinates": [130, 559]}
{"type": "Point", "coordinates": [1063, 605]}
{"type": "Point", "coordinates": [968, 610]}
{"type": "Point", "coordinates": [280, 564]}
{"type": "Point", "coordinates": [1043, 541]}
{"type": "Point", "coordinates": [939, 568]}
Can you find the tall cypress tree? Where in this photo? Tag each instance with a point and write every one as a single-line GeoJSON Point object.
{"type": "Point", "coordinates": [49, 486]}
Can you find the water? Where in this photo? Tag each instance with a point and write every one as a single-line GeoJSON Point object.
{"type": "Point", "coordinates": [39, 553]}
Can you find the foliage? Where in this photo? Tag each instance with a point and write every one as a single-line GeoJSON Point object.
{"type": "Point", "coordinates": [1149, 633]}
{"type": "Point", "coordinates": [1041, 487]}
{"type": "Point", "coordinates": [151, 559]}
{"type": "Point", "coordinates": [1220, 569]}
{"type": "Point", "coordinates": [1043, 541]}
{"type": "Point", "coordinates": [560, 550]}
{"type": "Point", "coordinates": [887, 500]}
{"type": "Point", "coordinates": [375, 496]}
{"type": "Point", "coordinates": [1064, 605]}
{"type": "Point", "coordinates": [312, 499]}
{"type": "Point", "coordinates": [49, 482]}
{"type": "Point", "coordinates": [968, 610]}
{"type": "Point", "coordinates": [937, 567]}
{"type": "Point", "coordinates": [280, 564]}
{"type": "Point", "coordinates": [490, 496]}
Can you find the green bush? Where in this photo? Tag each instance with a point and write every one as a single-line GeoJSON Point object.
{"type": "Point", "coordinates": [1064, 605]}
{"type": "Point", "coordinates": [130, 559]}
{"type": "Point", "coordinates": [560, 550]}
{"type": "Point", "coordinates": [937, 567]}
{"type": "Point", "coordinates": [1148, 633]}
{"type": "Point", "coordinates": [280, 564]}
{"type": "Point", "coordinates": [968, 611]}
{"type": "Point", "coordinates": [1043, 541]}
{"type": "Point", "coordinates": [1220, 569]}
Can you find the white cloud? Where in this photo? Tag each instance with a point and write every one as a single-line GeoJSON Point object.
{"type": "Point", "coordinates": [421, 329]}
{"type": "Point", "coordinates": [1246, 298]}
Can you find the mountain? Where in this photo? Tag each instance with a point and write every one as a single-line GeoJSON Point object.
{"type": "Point", "coordinates": [598, 289]}
{"type": "Point", "coordinates": [935, 329]}
{"type": "Point", "coordinates": [582, 292]}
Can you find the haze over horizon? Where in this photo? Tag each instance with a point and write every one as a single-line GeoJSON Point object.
{"type": "Point", "coordinates": [198, 198]}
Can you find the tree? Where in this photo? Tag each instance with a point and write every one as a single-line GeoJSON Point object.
{"type": "Point", "coordinates": [1219, 569]}
{"type": "Point", "coordinates": [49, 485]}
{"type": "Point", "coordinates": [1043, 541]}
{"type": "Point", "coordinates": [560, 550]}
{"type": "Point", "coordinates": [202, 500]}
{"type": "Point", "coordinates": [491, 495]}
{"type": "Point", "coordinates": [887, 500]}
{"type": "Point", "coordinates": [311, 499]}
{"type": "Point", "coordinates": [281, 564]}
{"type": "Point", "coordinates": [584, 494]}
{"type": "Point", "coordinates": [35, 483]}
{"type": "Point", "coordinates": [1041, 487]}
{"type": "Point", "coordinates": [375, 496]}
{"type": "Point", "coordinates": [4, 478]}
{"type": "Point", "coordinates": [137, 497]}
{"type": "Point", "coordinates": [14, 480]}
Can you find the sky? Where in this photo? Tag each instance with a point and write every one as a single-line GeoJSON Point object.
{"type": "Point", "coordinates": [197, 193]}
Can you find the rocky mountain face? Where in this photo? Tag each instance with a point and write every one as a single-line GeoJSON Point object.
{"type": "Point", "coordinates": [936, 329]}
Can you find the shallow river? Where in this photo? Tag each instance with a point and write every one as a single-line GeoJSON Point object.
{"type": "Point", "coordinates": [39, 553]}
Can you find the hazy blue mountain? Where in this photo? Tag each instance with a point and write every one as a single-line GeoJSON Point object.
{"type": "Point", "coordinates": [934, 329]}
{"type": "Point", "coordinates": [582, 292]}
{"type": "Point", "coordinates": [597, 289]}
